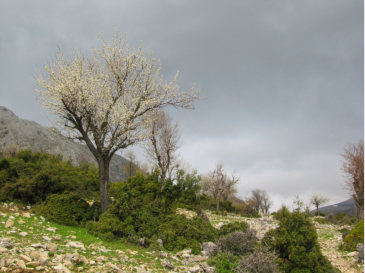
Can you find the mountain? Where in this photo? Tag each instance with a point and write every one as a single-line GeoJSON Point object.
{"type": "Point", "coordinates": [347, 206]}
{"type": "Point", "coordinates": [29, 134]}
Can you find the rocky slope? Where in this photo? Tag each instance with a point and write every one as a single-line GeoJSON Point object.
{"type": "Point", "coordinates": [29, 134]}
{"type": "Point", "coordinates": [31, 244]}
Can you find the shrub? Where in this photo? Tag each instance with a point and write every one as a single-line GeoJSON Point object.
{"type": "Point", "coordinates": [224, 262]}
{"type": "Point", "coordinates": [66, 209]}
{"type": "Point", "coordinates": [246, 211]}
{"type": "Point", "coordinates": [11, 150]}
{"type": "Point", "coordinates": [260, 261]}
{"type": "Point", "coordinates": [355, 237]}
{"type": "Point", "coordinates": [231, 227]}
{"type": "Point", "coordinates": [237, 243]}
{"type": "Point", "coordinates": [339, 216]}
{"type": "Point", "coordinates": [322, 221]}
{"type": "Point", "coordinates": [178, 233]}
{"type": "Point", "coordinates": [331, 218]}
{"type": "Point", "coordinates": [319, 213]}
{"type": "Point", "coordinates": [296, 243]}
{"type": "Point", "coordinates": [32, 177]}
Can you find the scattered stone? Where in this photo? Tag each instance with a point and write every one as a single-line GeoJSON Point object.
{"type": "Point", "coordinates": [52, 229]}
{"type": "Point", "coordinates": [20, 263]}
{"type": "Point", "coordinates": [25, 258]}
{"type": "Point", "coordinates": [9, 223]}
{"type": "Point", "coordinates": [23, 234]}
{"type": "Point", "coordinates": [42, 219]}
{"type": "Point", "coordinates": [34, 255]}
{"type": "Point", "coordinates": [73, 237]}
{"type": "Point", "coordinates": [34, 264]}
{"type": "Point", "coordinates": [46, 238]}
{"type": "Point", "coordinates": [39, 268]}
{"type": "Point", "coordinates": [80, 269]}
{"type": "Point", "coordinates": [160, 242]}
{"type": "Point", "coordinates": [26, 214]}
{"type": "Point", "coordinates": [61, 268]}
{"type": "Point", "coordinates": [167, 264]}
{"type": "Point", "coordinates": [51, 247]}
{"type": "Point", "coordinates": [21, 222]}
{"type": "Point", "coordinates": [163, 254]}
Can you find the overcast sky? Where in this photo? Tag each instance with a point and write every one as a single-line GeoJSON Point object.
{"type": "Point", "coordinates": [285, 79]}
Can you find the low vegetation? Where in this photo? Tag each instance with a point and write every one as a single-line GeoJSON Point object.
{"type": "Point", "coordinates": [143, 215]}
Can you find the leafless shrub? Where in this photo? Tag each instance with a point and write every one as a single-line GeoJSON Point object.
{"type": "Point", "coordinates": [330, 218]}
{"type": "Point", "coordinates": [11, 150]}
{"type": "Point", "coordinates": [260, 261]}
{"type": "Point", "coordinates": [237, 243]}
{"type": "Point", "coordinates": [344, 220]}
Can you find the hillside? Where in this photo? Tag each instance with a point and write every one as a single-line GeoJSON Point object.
{"type": "Point", "coordinates": [29, 134]}
{"type": "Point", "coordinates": [347, 206]}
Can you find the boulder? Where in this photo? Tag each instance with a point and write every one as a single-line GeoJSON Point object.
{"type": "Point", "coordinates": [9, 223]}
{"type": "Point", "coordinates": [51, 247]}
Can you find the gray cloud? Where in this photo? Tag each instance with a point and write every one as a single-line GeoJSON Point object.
{"type": "Point", "coordinates": [284, 79]}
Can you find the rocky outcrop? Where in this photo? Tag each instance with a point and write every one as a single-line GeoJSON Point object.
{"type": "Point", "coordinates": [29, 134]}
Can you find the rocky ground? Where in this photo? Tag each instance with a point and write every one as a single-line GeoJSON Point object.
{"type": "Point", "coordinates": [31, 244]}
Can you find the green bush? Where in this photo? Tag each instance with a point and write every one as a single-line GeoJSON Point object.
{"type": "Point", "coordinates": [296, 243]}
{"type": "Point", "coordinates": [321, 221]}
{"type": "Point", "coordinates": [66, 209]}
{"type": "Point", "coordinates": [339, 216]}
{"type": "Point", "coordinates": [355, 237]}
{"type": "Point", "coordinates": [319, 213]}
{"type": "Point", "coordinates": [32, 177]}
{"type": "Point", "coordinates": [178, 233]}
{"type": "Point", "coordinates": [231, 227]}
{"type": "Point", "coordinates": [224, 262]}
{"type": "Point", "coordinates": [142, 210]}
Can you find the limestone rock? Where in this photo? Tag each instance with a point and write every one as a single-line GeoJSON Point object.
{"type": "Point", "coordinates": [167, 264]}
{"type": "Point", "coordinates": [25, 258]}
{"type": "Point", "coordinates": [51, 247]}
{"type": "Point", "coordinates": [23, 234]}
{"type": "Point", "coordinates": [26, 214]}
{"type": "Point", "coordinates": [9, 223]}
{"type": "Point", "coordinates": [20, 263]}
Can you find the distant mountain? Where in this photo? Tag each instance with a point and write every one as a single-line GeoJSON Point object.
{"type": "Point", "coordinates": [347, 206]}
{"type": "Point", "coordinates": [28, 134]}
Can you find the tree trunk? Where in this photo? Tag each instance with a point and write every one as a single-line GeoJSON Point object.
{"type": "Point", "coordinates": [104, 183]}
{"type": "Point", "coordinates": [218, 198]}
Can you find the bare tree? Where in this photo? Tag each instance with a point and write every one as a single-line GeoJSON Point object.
{"type": "Point", "coordinates": [353, 168]}
{"type": "Point", "coordinates": [230, 189]}
{"type": "Point", "coordinates": [131, 167]}
{"type": "Point", "coordinates": [317, 200]}
{"type": "Point", "coordinates": [267, 202]}
{"type": "Point", "coordinates": [11, 150]}
{"type": "Point", "coordinates": [106, 100]}
{"type": "Point", "coordinates": [161, 148]}
{"type": "Point", "coordinates": [256, 199]}
{"type": "Point", "coordinates": [218, 182]}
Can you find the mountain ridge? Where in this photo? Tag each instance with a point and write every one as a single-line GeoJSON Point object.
{"type": "Point", "coordinates": [29, 134]}
{"type": "Point", "coordinates": [347, 206]}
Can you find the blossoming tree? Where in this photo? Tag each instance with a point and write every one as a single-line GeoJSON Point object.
{"type": "Point", "coordinates": [106, 100]}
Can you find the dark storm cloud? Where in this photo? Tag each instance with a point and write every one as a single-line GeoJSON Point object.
{"type": "Point", "coordinates": [284, 79]}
